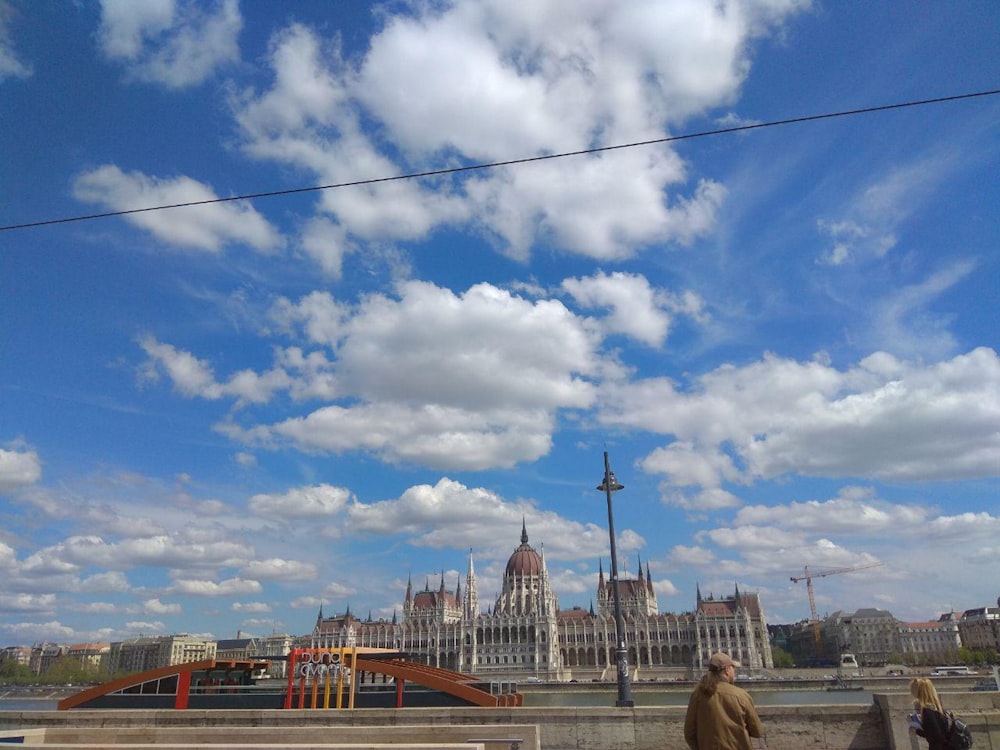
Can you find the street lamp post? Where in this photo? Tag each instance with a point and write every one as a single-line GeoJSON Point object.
{"type": "Point", "coordinates": [609, 485]}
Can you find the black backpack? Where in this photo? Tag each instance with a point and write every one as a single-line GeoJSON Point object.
{"type": "Point", "coordinates": [959, 736]}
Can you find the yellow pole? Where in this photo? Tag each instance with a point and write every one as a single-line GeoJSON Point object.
{"type": "Point", "coordinates": [315, 687]}
{"type": "Point", "coordinates": [326, 687]}
{"type": "Point", "coordinates": [354, 674]}
{"type": "Point", "coordinates": [340, 680]}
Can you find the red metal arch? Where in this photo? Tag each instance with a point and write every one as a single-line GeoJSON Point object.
{"type": "Point", "coordinates": [436, 678]}
{"type": "Point", "coordinates": [181, 671]}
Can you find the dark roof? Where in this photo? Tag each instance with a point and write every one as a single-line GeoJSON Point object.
{"type": "Point", "coordinates": [232, 643]}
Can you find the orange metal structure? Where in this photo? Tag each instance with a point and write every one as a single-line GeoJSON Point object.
{"type": "Point", "coordinates": [334, 671]}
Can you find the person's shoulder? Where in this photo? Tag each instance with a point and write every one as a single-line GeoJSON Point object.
{"type": "Point", "coordinates": [730, 689]}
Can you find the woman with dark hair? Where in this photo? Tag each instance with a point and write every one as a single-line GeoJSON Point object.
{"type": "Point", "coordinates": [930, 720]}
{"type": "Point", "coordinates": [721, 716]}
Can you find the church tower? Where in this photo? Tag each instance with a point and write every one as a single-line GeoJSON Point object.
{"type": "Point", "coordinates": [470, 605]}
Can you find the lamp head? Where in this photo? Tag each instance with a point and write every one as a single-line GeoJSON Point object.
{"type": "Point", "coordinates": [610, 483]}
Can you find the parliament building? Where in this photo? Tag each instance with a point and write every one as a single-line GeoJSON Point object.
{"type": "Point", "coordinates": [524, 634]}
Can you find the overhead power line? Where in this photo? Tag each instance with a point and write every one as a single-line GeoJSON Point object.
{"type": "Point", "coordinates": [507, 163]}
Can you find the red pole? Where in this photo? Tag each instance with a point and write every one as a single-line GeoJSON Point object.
{"type": "Point", "coordinates": [399, 692]}
{"type": "Point", "coordinates": [183, 691]}
{"type": "Point", "coordinates": [292, 658]}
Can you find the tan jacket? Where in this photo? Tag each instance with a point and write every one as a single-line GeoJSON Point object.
{"type": "Point", "coordinates": [724, 721]}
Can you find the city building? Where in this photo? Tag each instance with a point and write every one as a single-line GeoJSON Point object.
{"type": "Point", "coordinates": [872, 635]}
{"type": "Point", "coordinates": [45, 654]}
{"type": "Point", "coordinates": [92, 655]}
{"type": "Point", "coordinates": [20, 655]}
{"type": "Point", "coordinates": [274, 648]}
{"type": "Point", "coordinates": [980, 628]}
{"type": "Point", "coordinates": [934, 642]}
{"type": "Point", "coordinates": [144, 653]}
{"type": "Point", "coordinates": [523, 633]}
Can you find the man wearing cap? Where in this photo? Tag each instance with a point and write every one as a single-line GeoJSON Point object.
{"type": "Point", "coordinates": [721, 716]}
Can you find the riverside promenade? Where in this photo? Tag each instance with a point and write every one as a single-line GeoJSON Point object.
{"type": "Point", "coordinates": [881, 725]}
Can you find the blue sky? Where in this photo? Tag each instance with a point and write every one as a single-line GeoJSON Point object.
{"type": "Point", "coordinates": [215, 419]}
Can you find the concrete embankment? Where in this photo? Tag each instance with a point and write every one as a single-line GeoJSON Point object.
{"type": "Point", "coordinates": [880, 725]}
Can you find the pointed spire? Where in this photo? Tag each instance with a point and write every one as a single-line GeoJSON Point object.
{"type": "Point", "coordinates": [394, 621]}
{"type": "Point", "coordinates": [524, 531]}
{"type": "Point", "coordinates": [698, 590]}
{"type": "Point", "coordinates": [600, 575]}
{"type": "Point", "coordinates": [409, 587]}
{"type": "Point", "coordinates": [592, 612]}
{"type": "Point", "coordinates": [441, 587]}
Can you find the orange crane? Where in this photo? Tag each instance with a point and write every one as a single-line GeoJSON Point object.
{"type": "Point", "coordinates": [808, 578]}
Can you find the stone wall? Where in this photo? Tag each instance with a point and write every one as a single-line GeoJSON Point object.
{"type": "Point", "coordinates": [878, 726]}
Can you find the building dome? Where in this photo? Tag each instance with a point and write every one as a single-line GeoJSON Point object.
{"type": "Point", "coordinates": [525, 561]}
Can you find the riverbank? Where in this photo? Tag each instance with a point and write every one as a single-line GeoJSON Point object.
{"type": "Point", "coordinates": [46, 693]}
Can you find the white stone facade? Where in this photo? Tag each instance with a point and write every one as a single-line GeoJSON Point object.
{"type": "Point", "coordinates": [524, 634]}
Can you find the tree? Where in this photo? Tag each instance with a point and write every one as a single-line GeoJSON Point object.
{"type": "Point", "coordinates": [782, 659]}
{"type": "Point", "coordinates": [69, 669]}
{"type": "Point", "coordinates": [14, 673]}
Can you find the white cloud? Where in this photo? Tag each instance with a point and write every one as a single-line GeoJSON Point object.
{"type": "Point", "coordinates": [682, 555]}
{"type": "Point", "coordinates": [175, 43]}
{"type": "Point", "coordinates": [277, 569]}
{"type": "Point", "coordinates": [327, 243]}
{"type": "Point", "coordinates": [423, 507]}
{"type": "Point", "coordinates": [28, 603]}
{"type": "Point", "coordinates": [606, 206]}
{"type": "Point", "coordinates": [430, 435]}
{"type": "Point", "coordinates": [8, 557]}
{"type": "Point", "coordinates": [321, 501]}
{"type": "Point", "coordinates": [112, 580]}
{"type": "Point", "coordinates": [902, 321]}
{"type": "Point", "coordinates": [11, 64]}
{"type": "Point", "coordinates": [431, 377]}
{"type": "Point", "coordinates": [205, 227]}
{"type": "Point", "coordinates": [883, 419]}
{"type": "Point", "coordinates": [636, 309]}
{"type": "Point", "coordinates": [855, 511]}
{"type": "Point", "coordinates": [194, 377]}
{"type": "Point", "coordinates": [31, 632]}
{"type": "Point", "coordinates": [245, 460]}
{"type": "Point", "coordinates": [304, 92]}
{"type": "Point", "coordinates": [228, 587]}
{"type": "Point", "coordinates": [451, 515]}
{"type": "Point", "coordinates": [700, 501]}
{"type": "Point", "coordinates": [156, 607]}
{"type": "Point", "coordinates": [322, 318]}
{"type": "Point", "coordinates": [172, 551]}
{"type": "Point", "coordinates": [19, 467]}
{"type": "Point", "coordinates": [485, 81]}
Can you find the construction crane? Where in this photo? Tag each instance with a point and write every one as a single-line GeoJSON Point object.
{"type": "Point", "coordinates": [808, 578]}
